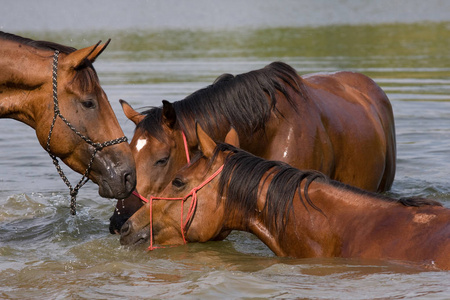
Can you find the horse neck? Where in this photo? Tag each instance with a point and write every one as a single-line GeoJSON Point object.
{"type": "Point", "coordinates": [23, 74]}
{"type": "Point", "coordinates": [253, 221]}
{"type": "Point", "coordinates": [313, 233]}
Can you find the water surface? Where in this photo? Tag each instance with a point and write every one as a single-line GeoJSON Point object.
{"type": "Point", "coordinates": [46, 252]}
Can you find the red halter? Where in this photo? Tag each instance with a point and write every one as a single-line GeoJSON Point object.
{"type": "Point", "coordinates": [186, 148]}
{"type": "Point", "coordinates": [192, 206]}
{"type": "Point", "coordinates": [191, 211]}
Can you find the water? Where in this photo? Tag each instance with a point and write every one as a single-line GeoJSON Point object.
{"type": "Point", "coordinates": [86, 15]}
{"type": "Point", "coordinates": [45, 252]}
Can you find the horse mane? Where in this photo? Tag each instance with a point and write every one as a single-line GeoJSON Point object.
{"type": "Point", "coordinates": [44, 45]}
{"type": "Point", "coordinates": [241, 178]}
{"type": "Point", "coordinates": [242, 175]}
{"type": "Point", "coordinates": [86, 74]}
{"type": "Point", "coordinates": [244, 101]}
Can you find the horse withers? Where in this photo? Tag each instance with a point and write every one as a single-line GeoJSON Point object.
{"type": "Point", "coordinates": [338, 123]}
{"type": "Point", "coordinates": [295, 213]}
{"type": "Point", "coordinates": [56, 90]}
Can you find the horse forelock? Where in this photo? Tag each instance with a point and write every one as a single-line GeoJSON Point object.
{"type": "Point", "coordinates": [86, 80]}
{"type": "Point", "coordinates": [152, 123]}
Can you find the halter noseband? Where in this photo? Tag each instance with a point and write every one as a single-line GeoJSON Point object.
{"type": "Point", "coordinates": [96, 146]}
{"type": "Point", "coordinates": [191, 211]}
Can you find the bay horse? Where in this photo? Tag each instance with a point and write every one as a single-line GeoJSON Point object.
{"type": "Point", "coordinates": [55, 89]}
{"type": "Point", "coordinates": [296, 213]}
{"type": "Point", "coordinates": [340, 124]}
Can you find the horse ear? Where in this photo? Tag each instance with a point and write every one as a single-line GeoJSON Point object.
{"type": "Point", "coordinates": [206, 144]}
{"type": "Point", "coordinates": [169, 117]}
{"type": "Point", "coordinates": [97, 51]}
{"type": "Point", "coordinates": [232, 138]}
{"type": "Point", "coordinates": [130, 113]}
{"type": "Point", "coordinates": [77, 58]}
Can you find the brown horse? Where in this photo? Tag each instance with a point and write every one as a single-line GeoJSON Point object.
{"type": "Point", "coordinates": [55, 90]}
{"type": "Point", "coordinates": [340, 124]}
{"type": "Point", "coordinates": [295, 213]}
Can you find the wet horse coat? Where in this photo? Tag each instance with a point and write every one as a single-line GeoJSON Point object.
{"type": "Point", "coordinates": [340, 124]}
{"type": "Point", "coordinates": [26, 94]}
{"type": "Point", "coordinates": [295, 213]}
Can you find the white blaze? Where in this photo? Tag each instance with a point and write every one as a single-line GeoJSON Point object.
{"type": "Point", "coordinates": [140, 144]}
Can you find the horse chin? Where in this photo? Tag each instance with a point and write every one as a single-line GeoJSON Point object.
{"type": "Point", "coordinates": [111, 189]}
{"type": "Point", "coordinates": [116, 222]}
{"type": "Point", "coordinates": [125, 208]}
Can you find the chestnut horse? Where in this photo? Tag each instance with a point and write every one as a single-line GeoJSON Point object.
{"type": "Point", "coordinates": [55, 90]}
{"type": "Point", "coordinates": [340, 124]}
{"type": "Point", "coordinates": [295, 213]}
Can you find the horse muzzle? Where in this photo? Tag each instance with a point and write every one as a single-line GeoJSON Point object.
{"type": "Point", "coordinates": [118, 186]}
{"type": "Point", "coordinates": [131, 237]}
{"type": "Point", "coordinates": [116, 177]}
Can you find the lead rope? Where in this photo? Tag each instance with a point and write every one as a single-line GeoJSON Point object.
{"type": "Point", "coordinates": [191, 211]}
{"type": "Point", "coordinates": [97, 146]}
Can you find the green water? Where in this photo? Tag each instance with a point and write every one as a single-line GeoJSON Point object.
{"type": "Point", "coordinates": [430, 40]}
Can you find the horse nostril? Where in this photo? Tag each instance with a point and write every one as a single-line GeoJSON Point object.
{"type": "Point", "coordinates": [129, 181]}
{"type": "Point", "coordinates": [125, 230]}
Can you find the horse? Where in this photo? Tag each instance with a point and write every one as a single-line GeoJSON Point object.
{"type": "Point", "coordinates": [301, 214]}
{"type": "Point", "coordinates": [338, 123]}
{"type": "Point", "coordinates": [55, 90]}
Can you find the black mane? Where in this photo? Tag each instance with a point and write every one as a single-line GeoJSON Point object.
{"type": "Point", "coordinates": [244, 101]}
{"type": "Point", "coordinates": [243, 173]}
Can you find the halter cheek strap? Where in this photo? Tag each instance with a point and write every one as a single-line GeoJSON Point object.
{"type": "Point", "coordinates": [97, 146]}
{"type": "Point", "coordinates": [191, 211]}
{"type": "Point", "coordinates": [186, 148]}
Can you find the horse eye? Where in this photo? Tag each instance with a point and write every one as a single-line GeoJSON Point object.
{"type": "Point", "coordinates": [162, 161]}
{"type": "Point", "coordinates": [88, 104]}
{"type": "Point", "coordinates": [178, 183]}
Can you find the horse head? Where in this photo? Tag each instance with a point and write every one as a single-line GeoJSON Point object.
{"type": "Point", "coordinates": [85, 141]}
{"type": "Point", "coordinates": [185, 210]}
{"type": "Point", "coordinates": [156, 150]}
{"type": "Point", "coordinates": [55, 89]}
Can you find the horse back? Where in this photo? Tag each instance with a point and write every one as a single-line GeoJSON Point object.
{"type": "Point", "coordinates": [352, 89]}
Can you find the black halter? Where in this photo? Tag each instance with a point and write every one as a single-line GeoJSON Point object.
{"type": "Point", "coordinates": [96, 146]}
